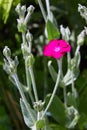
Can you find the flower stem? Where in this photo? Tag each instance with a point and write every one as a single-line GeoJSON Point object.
{"type": "Point", "coordinates": [33, 83]}
{"type": "Point", "coordinates": [42, 10]}
{"type": "Point", "coordinates": [27, 72]}
{"type": "Point", "coordinates": [68, 59]}
{"type": "Point", "coordinates": [73, 87]}
{"type": "Point", "coordinates": [48, 7]}
{"type": "Point", "coordinates": [65, 96]}
{"type": "Point", "coordinates": [29, 83]}
{"type": "Point", "coordinates": [77, 50]}
{"type": "Point", "coordinates": [55, 88]}
{"type": "Point", "coordinates": [23, 38]}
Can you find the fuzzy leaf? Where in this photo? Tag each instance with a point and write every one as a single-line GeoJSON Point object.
{"type": "Point", "coordinates": [52, 31]}
{"type": "Point", "coordinates": [57, 110]}
{"type": "Point", "coordinates": [28, 115]}
{"type": "Point", "coordinates": [68, 77]}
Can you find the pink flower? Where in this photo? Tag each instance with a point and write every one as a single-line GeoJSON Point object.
{"type": "Point", "coordinates": [56, 48]}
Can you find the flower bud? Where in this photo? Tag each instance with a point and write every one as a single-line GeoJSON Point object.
{"type": "Point", "coordinates": [10, 66]}
{"type": "Point", "coordinates": [29, 60]}
{"type": "Point", "coordinates": [6, 52]}
{"type": "Point", "coordinates": [22, 12]}
{"type": "Point", "coordinates": [18, 8]}
{"type": "Point", "coordinates": [72, 117]}
{"type": "Point", "coordinates": [30, 9]}
{"type": "Point", "coordinates": [65, 33]}
{"type": "Point", "coordinates": [83, 11]}
{"type": "Point", "coordinates": [39, 105]}
{"type": "Point", "coordinates": [24, 49]}
{"type": "Point", "coordinates": [80, 38]}
{"type": "Point", "coordinates": [29, 36]}
{"type": "Point", "coordinates": [21, 25]}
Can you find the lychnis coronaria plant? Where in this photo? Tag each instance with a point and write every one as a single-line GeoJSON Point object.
{"type": "Point", "coordinates": [64, 112]}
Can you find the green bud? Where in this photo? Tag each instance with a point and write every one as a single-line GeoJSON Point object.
{"type": "Point", "coordinates": [29, 36]}
{"type": "Point", "coordinates": [6, 52]}
{"type": "Point", "coordinates": [10, 66]}
{"type": "Point", "coordinates": [80, 38]}
{"type": "Point", "coordinates": [65, 33]}
{"type": "Point", "coordinates": [29, 60]}
{"type": "Point", "coordinates": [72, 117]}
{"type": "Point", "coordinates": [23, 10]}
{"type": "Point", "coordinates": [21, 25]}
{"type": "Point", "coordinates": [25, 49]}
{"type": "Point", "coordinates": [18, 8]}
{"type": "Point", "coordinates": [83, 11]}
{"type": "Point", "coordinates": [30, 9]}
{"type": "Point", "coordinates": [39, 105]}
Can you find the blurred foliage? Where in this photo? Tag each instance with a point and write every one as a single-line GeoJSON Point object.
{"type": "Point", "coordinates": [66, 13]}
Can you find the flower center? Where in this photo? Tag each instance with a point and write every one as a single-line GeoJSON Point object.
{"type": "Point", "coordinates": [57, 49]}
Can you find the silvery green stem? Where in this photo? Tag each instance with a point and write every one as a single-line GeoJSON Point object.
{"type": "Point", "coordinates": [28, 84]}
{"type": "Point", "coordinates": [27, 18]}
{"type": "Point", "coordinates": [48, 7]}
{"type": "Point", "coordinates": [72, 84]}
{"type": "Point", "coordinates": [27, 71]}
{"type": "Point", "coordinates": [33, 83]}
{"type": "Point", "coordinates": [45, 77]}
{"type": "Point", "coordinates": [77, 49]}
{"type": "Point", "coordinates": [55, 88]}
{"type": "Point", "coordinates": [68, 59]}
{"type": "Point", "coordinates": [65, 96]}
{"type": "Point", "coordinates": [30, 10]}
{"type": "Point", "coordinates": [30, 46]}
{"type": "Point", "coordinates": [15, 77]}
{"type": "Point", "coordinates": [42, 10]}
{"type": "Point", "coordinates": [23, 38]}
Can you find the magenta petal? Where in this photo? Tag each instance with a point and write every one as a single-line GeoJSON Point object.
{"type": "Point", "coordinates": [56, 48]}
{"type": "Point", "coordinates": [57, 55]}
{"type": "Point", "coordinates": [63, 43]}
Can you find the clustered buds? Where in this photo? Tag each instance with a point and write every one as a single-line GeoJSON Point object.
{"type": "Point", "coordinates": [22, 21]}
{"type": "Point", "coordinates": [39, 105]}
{"type": "Point", "coordinates": [83, 11]}
{"type": "Point", "coordinates": [65, 33]}
{"type": "Point", "coordinates": [21, 10]}
{"type": "Point", "coordinates": [10, 65]}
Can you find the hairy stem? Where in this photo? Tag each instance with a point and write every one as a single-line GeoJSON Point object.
{"type": "Point", "coordinates": [33, 83]}
{"type": "Point", "coordinates": [48, 7]}
{"type": "Point", "coordinates": [42, 10]}
{"type": "Point", "coordinates": [55, 88]}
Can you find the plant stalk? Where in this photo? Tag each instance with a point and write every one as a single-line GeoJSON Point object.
{"type": "Point", "coordinates": [55, 88]}
{"type": "Point", "coordinates": [42, 10]}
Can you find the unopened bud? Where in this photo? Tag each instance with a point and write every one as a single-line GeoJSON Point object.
{"type": "Point", "coordinates": [21, 25]}
{"type": "Point", "coordinates": [39, 105]}
{"type": "Point", "coordinates": [30, 60]}
{"type": "Point", "coordinates": [6, 52]}
{"type": "Point", "coordinates": [18, 8]}
{"type": "Point", "coordinates": [80, 38]}
{"type": "Point", "coordinates": [30, 9]}
{"type": "Point", "coordinates": [29, 36]}
{"type": "Point", "coordinates": [65, 33]}
{"type": "Point", "coordinates": [24, 49]}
